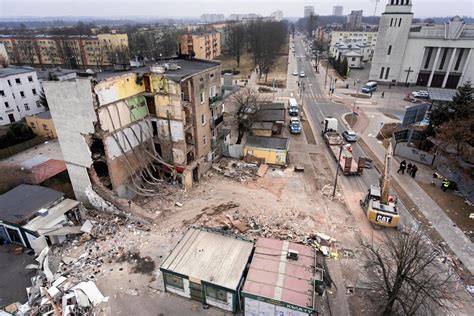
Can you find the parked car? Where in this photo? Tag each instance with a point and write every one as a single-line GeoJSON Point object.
{"type": "Point", "coordinates": [422, 94]}
{"type": "Point", "coordinates": [349, 135]}
{"type": "Point", "coordinates": [295, 73]}
{"type": "Point", "coordinates": [295, 125]}
{"type": "Point", "coordinates": [369, 87]}
{"type": "Point", "coordinates": [302, 74]}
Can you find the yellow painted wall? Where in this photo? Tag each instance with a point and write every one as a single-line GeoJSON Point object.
{"type": "Point", "coordinates": [262, 132]}
{"type": "Point", "coordinates": [275, 157]}
{"type": "Point", "coordinates": [118, 88]}
{"type": "Point", "coordinates": [41, 127]}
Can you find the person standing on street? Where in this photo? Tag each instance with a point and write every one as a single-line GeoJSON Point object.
{"type": "Point", "coordinates": [445, 185]}
{"type": "Point", "coordinates": [414, 169]}
{"type": "Point", "coordinates": [409, 168]}
{"type": "Point", "coordinates": [383, 94]}
{"type": "Point", "coordinates": [402, 167]}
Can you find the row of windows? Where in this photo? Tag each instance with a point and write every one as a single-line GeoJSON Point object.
{"type": "Point", "coordinates": [22, 93]}
{"type": "Point", "coordinates": [382, 70]}
{"type": "Point", "coordinates": [443, 58]}
{"type": "Point", "coordinates": [33, 125]}
{"type": "Point", "coordinates": [27, 107]}
{"type": "Point", "coordinates": [397, 21]}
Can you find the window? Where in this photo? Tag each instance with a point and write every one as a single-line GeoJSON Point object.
{"type": "Point", "coordinates": [381, 72]}
{"type": "Point", "coordinates": [399, 22]}
{"type": "Point", "coordinates": [34, 91]}
{"type": "Point", "coordinates": [27, 107]}
{"type": "Point", "coordinates": [391, 22]}
{"type": "Point", "coordinates": [30, 78]}
{"type": "Point", "coordinates": [204, 139]}
{"type": "Point", "coordinates": [212, 91]}
{"type": "Point", "coordinates": [2, 93]}
{"type": "Point", "coordinates": [7, 105]}
{"type": "Point", "coordinates": [201, 97]}
{"type": "Point", "coordinates": [18, 81]}
{"type": "Point", "coordinates": [353, 58]}
{"type": "Point", "coordinates": [203, 119]}
{"type": "Point", "coordinates": [22, 94]}
{"type": "Point", "coordinates": [389, 49]}
{"type": "Point", "coordinates": [38, 104]}
{"type": "Point", "coordinates": [428, 58]}
{"type": "Point", "coordinates": [9, 82]}
{"type": "Point", "coordinates": [216, 294]}
{"type": "Point", "coordinates": [45, 127]}
{"type": "Point", "coordinates": [443, 59]}
{"type": "Point", "coordinates": [386, 73]}
{"type": "Point", "coordinates": [173, 281]}
{"type": "Point", "coordinates": [17, 108]}
{"type": "Point", "coordinates": [458, 61]}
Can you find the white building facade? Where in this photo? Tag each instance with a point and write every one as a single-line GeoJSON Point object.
{"type": "Point", "coordinates": [337, 10]}
{"type": "Point", "coordinates": [369, 38]}
{"type": "Point", "coordinates": [19, 94]}
{"type": "Point", "coordinates": [426, 55]}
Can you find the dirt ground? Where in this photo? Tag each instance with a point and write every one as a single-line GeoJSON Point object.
{"type": "Point", "coordinates": [454, 205]}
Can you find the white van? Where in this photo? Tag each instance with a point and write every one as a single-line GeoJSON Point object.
{"type": "Point", "coordinates": [369, 87]}
{"type": "Point", "coordinates": [292, 107]}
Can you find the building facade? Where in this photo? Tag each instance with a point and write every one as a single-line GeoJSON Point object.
{"type": "Point", "coordinates": [166, 119]}
{"type": "Point", "coordinates": [337, 10]}
{"type": "Point", "coordinates": [437, 56]}
{"type": "Point", "coordinates": [354, 20]}
{"type": "Point", "coordinates": [201, 45]}
{"type": "Point", "coordinates": [69, 51]}
{"type": "Point", "coordinates": [19, 94]}
{"type": "Point", "coordinates": [42, 124]}
{"type": "Point", "coordinates": [369, 38]}
{"type": "Point", "coordinates": [308, 11]}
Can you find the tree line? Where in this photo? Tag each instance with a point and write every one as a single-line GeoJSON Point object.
{"type": "Point", "coordinates": [264, 40]}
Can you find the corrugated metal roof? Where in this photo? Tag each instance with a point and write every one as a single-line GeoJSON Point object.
{"type": "Point", "coordinates": [210, 257]}
{"type": "Point", "coordinates": [267, 142]}
{"type": "Point", "coordinates": [273, 276]}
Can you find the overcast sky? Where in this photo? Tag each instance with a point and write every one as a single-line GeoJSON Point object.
{"type": "Point", "coordinates": [176, 8]}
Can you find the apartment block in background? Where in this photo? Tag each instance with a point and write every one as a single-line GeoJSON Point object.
{"type": "Point", "coordinates": [69, 51]}
{"type": "Point", "coordinates": [121, 128]}
{"type": "Point", "coordinates": [204, 45]}
{"type": "Point", "coordinates": [19, 94]}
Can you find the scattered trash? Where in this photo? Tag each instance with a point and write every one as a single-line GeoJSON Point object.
{"type": "Point", "coordinates": [240, 171]}
{"type": "Point", "coordinates": [262, 170]}
{"type": "Point", "coordinates": [178, 204]}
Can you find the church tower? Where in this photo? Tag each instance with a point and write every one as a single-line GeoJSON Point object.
{"type": "Point", "coordinates": [392, 38]}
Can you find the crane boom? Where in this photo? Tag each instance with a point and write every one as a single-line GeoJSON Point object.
{"type": "Point", "coordinates": [386, 177]}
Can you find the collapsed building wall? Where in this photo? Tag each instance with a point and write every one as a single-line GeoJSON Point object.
{"type": "Point", "coordinates": [72, 110]}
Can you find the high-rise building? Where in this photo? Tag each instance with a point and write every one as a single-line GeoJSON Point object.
{"type": "Point", "coordinates": [354, 20]}
{"type": "Point", "coordinates": [277, 15]}
{"type": "Point", "coordinates": [337, 10]}
{"type": "Point", "coordinates": [308, 11]}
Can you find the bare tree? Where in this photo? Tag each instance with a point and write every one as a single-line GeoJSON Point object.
{"type": "Point", "coordinates": [457, 132]}
{"type": "Point", "coordinates": [406, 276]}
{"type": "Point", "coordinates": [236, 42]}
{"type": "Point", "coordinates": [247, 101]}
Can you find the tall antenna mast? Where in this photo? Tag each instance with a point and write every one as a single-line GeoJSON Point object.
{"type": "Point", "coordinates": [376, 4]}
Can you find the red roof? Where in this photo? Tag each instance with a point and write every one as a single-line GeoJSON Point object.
{"type": "Point", "coordinates": [273, 276]}
{"type": "Point", "coordinates": [46, 170]}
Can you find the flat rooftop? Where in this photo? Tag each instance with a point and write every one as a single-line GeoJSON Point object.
{"type": "Point", "coordinates": [211, 257]}
{"type": "Point", "coordinates": [267, 142]}
{"type": "Point", "coordinates": [271, 275]}
{"type": "Point", "coordinates": [21, 203]}
{"type": "Point", "coordinates": [272, 106]}
{"type": "Point", "coordinates": [11, 71]}
{"type": "Point", "coordinates": [270, 115]}
{"type": "Point", "coordinates": [187, 68]}
{"type": "Point", "coordinates": [262, 125]}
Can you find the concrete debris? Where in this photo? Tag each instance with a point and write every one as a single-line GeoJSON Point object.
{"type": "Point", "coordinates": [262, 170]}
{"type": "Point", "coordinates": [87, 227]}
{"type": "Point", "coordinates": [326, 191]}
{"type": "Point", "coordinates": [239, 170]}
{"type": "Point", "coordinates": [178, 204]}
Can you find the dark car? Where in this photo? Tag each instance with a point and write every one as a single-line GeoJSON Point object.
{"type": "Point", "coordinates": [349, 135]}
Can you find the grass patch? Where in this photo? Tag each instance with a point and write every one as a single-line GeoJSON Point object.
{"type": "Point", "coordinates": [245, 68]}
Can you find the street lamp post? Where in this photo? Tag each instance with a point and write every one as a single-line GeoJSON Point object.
{"type": "Point", "coordinates": [354, 105]}
{"type": "Point", "coordinates": [337, 170]}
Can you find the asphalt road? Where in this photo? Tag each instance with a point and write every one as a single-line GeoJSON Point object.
{"type": "Point", "coordinates": [317, 106]}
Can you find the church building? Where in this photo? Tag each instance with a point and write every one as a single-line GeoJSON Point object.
{"type": "Point", "coordinates": [437, 56]}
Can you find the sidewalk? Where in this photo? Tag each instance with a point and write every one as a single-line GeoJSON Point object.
{"type": "Point", "coordinates": [457, 241]}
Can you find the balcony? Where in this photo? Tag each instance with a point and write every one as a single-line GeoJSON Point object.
{"type": "Point", "coordinates": [216, 121]}
{"type": "Point", "coordinates": [213, 101]}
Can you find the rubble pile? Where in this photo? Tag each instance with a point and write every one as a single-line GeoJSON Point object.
{"type": "Point", "coordinates": [326, 191]}
{"type": "Point", "coordinates": [65, 274]}
{"type": "Point", "coordinates": [237, 170]}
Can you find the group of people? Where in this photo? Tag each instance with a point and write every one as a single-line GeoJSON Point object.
{"type": "Point", "coordinates": [411, 169]}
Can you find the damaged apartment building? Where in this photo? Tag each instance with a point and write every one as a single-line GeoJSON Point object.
{"type": "Point", "coordinates": [127, 130]}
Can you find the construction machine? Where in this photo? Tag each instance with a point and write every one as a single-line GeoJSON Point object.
{"type": "Point", "coordinates": [378, 205]}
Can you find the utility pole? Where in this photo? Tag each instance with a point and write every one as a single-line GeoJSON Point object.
{"type": "Point", "coordinates": [337, 170]}
{"type": "Point", "coordinates": [273, 89]}
{"type": "Point", "coordinates": [354, 105]}
{"type": "Point", "coordinates": [326, 77]}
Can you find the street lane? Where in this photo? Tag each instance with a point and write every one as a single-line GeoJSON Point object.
{"type": "Point", "coordinates": [317, 105]}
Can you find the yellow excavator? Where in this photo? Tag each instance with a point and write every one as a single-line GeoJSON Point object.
{"type": "Point", "coordinates": [378, 205]}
